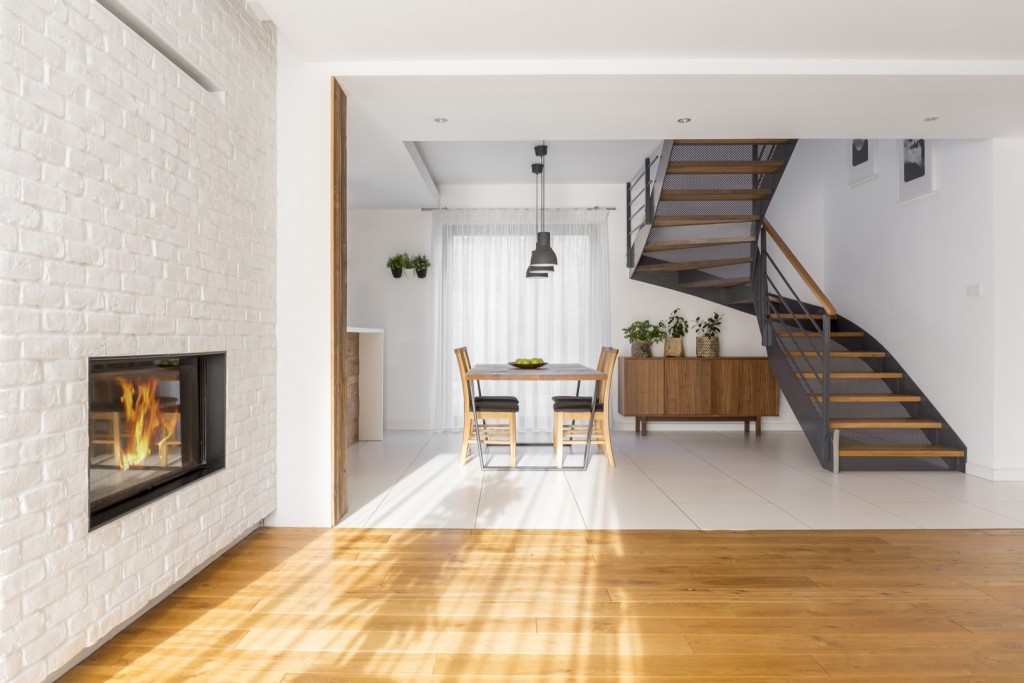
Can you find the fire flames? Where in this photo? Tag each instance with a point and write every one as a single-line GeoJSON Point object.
{"type": "Point", "coordinates": [143, 420]}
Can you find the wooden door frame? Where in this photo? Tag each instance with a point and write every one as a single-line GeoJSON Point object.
{"type": "Point", "coordinates": [339, 310]}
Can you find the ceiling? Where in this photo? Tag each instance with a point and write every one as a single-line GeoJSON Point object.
{"type": "Point", "coordinates": [602, 81]}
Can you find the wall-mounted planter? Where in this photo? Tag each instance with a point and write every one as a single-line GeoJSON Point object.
{"type": "Point", "coordinates": [396, 272]}
{"type": "Point", "coordinates": [421, 273]}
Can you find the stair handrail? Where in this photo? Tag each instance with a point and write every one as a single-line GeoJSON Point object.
{"type": "Point", "coordinates": [799, 268]}
{"type": "Point", "coordinates": [646, 186]}
{"type": "Point", "coordinates": [790, 305]}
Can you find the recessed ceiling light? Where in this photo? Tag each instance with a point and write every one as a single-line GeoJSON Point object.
{"type": "Point", "coordinates": [685, 119]}
{"type": "Point", "coordinates": [929, 119]}
{"type": "Point", "coordinates": [440, 119]}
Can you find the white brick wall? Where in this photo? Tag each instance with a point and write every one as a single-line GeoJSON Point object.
{"type": "Point", "coordinates": [136, 216]}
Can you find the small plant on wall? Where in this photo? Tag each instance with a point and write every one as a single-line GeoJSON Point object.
{"type": "Point", "coordinates": [707, 335]}
{"type": "Point", "coordinates": [398, 263]}
{"type": "Point", "coordinates": [420, 263]}
{"type": "Point", "coordinates": [641, 334]}
{"type": "Point", "coordinates": [676, 327]}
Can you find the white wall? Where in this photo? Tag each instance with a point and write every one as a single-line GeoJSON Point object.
{"type": "Point", "coordinates": [137, 216]}
{"type": "Point", "coordinates": [1008, 322]}
{"type": "Point", "coordinates": [402, 307]}
{"type": "Point", "coordinates": [304, 293]}
{"type": "Point", "coordinates": [901, 270]}
{"type": "Point", "coordinates": [797, 213]}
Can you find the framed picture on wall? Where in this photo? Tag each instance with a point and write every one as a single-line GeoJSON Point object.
{"type": "Point", "coordinates": [916, 170]}
{"type": "Point", "coordinates": [862, 158]}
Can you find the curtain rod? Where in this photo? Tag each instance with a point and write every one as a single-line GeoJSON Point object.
{"type": "Point", "coordinates": [524, 208]}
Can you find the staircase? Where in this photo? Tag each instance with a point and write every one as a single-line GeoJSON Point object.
{"type": "Point", "coordinates": [696, 224]}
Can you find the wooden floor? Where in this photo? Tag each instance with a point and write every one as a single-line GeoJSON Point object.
{"type": "Point", "coordinates": [482, 606]}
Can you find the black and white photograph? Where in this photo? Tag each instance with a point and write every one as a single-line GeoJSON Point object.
{"type": "Point", "coordinates": [916, 168]}
{"type": "Point", "coordinates": [862, 156]}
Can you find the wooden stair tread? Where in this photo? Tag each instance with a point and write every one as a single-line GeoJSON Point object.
{"type": "Point", "coordinates": [882, 423]}
{"type": "Point", "coordinates": [758, 141]}
{"type": "Point", "coordinates": [881, 451]}
{"type": "Point", "coordinates": [869, 398]}
{"type": "Point", "coordinates": [696, 244]}
{"type": "Point", "coordinates": [704, 219]}
{"type": "Point", "coordinates": [799, 316]}
{"type": "Point", "coordinates": [809, 333]}
{"type": "Point", "coordinates": [692, 265]}
{"type": "Point", "coordinates": [839, 354]}
{"type": "Point", "coordinates": [714, 195]}
{"type": "Point", "coordinates": [720, 282]}
{"type": "Point", "coordinates": [682, 167]}
{"type": "Point", "coordinates": [853, 375]}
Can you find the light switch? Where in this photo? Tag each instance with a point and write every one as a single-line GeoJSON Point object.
{"type": "Point", "coordinates": [973, 290]}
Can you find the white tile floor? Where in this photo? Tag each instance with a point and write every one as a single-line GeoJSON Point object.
{"type": "Point", "coordinates": [665, 480]}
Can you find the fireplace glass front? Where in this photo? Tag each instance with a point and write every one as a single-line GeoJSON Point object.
{"type": "Point", "coordinates": [148, 428]}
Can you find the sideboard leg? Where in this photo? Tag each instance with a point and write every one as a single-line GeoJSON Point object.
{"type": "Point", "coordinates": [636, 426]}
{"type": "Point", "coordinates": [757, 430]}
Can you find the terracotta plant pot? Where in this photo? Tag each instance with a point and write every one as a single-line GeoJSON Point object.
{"type": "Point", "coordinates": [674, 347]}
{"type": "Point", "coordinates": [707, 347]}
{"type": "Point", "coordinates": [640, 349]}
{"type": "Point", "coordinates": [397, 272]}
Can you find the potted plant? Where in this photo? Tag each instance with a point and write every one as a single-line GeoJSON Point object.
{"type": "Point", "coordinates": [676, 327]}
{"type": "Point", "coordinates": [641, 335]}
{"type": "Point", "coordinates": [420, 263]}
{"type": "Point", "coordinates": [398, 263]}
{"type": "Point", "coordinates": [707, 335]}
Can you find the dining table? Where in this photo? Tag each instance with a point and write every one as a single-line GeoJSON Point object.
{"type": "Point", "coordinates": [549, 372]}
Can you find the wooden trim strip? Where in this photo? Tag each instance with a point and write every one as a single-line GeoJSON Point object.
{"type": "Point", "coordinates": [801, 271]}
{"type": "Point", "coordinates": [339, 296]}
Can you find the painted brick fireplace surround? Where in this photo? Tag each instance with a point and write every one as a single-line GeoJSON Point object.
{"type": "Point", "coordinates": [137, 217]}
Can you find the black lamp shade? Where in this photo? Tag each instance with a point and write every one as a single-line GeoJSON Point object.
{"type": "Point", "coordinates": [543, 255]}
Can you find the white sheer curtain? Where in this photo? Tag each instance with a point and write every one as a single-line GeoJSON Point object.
{"type": "Point", "coordinates": [488, 305]}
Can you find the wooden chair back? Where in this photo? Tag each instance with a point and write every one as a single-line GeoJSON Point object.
{"type": "Point", "coordinates": [462, 358]}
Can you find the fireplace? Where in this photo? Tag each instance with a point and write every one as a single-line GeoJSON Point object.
{"type": "Point", "coordinates": [156, 424]}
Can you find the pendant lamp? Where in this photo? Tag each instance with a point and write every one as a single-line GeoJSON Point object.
{"type": "Point", "coordinates": [543, 259]}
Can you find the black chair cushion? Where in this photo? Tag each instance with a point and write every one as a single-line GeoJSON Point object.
{"type": "Point", "coordinates": [487, 405]}
{"type": "Point", "coordinates": [575, 405]}
{"type": "Point", "coordinates": [511, 399]}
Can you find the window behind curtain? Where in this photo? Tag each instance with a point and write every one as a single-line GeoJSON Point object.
{"type": "Point", "coordinates": [487, 304]}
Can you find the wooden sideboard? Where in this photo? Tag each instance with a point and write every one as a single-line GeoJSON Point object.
{"type": "Point", "coordinates": [737, 388]}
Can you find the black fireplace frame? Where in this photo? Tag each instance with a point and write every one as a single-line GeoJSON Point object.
{"type": "Point", "coordinates": [212, 369]}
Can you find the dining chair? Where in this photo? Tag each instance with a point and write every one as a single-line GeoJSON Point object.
{"type": "Point", "coordinates": [462, 353]}
{"type": "Point", "coordinates": [605, 350]}
{"type": "Point", "coordinates": [572, 414]}
{"type": "Point", "coordinates": [489, 411]}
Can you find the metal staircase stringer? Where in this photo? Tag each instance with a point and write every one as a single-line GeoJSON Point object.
{"type": "Point", "coordinates": [643, 233]}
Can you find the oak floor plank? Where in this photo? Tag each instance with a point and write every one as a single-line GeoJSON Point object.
{"type": "Point", "coordinates": [693, 666]}
{"type": "Point", "coordinates": [475, 644]}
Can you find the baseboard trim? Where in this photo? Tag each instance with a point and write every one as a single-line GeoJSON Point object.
{"type": "Point", "coordinates": [994, 474]}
